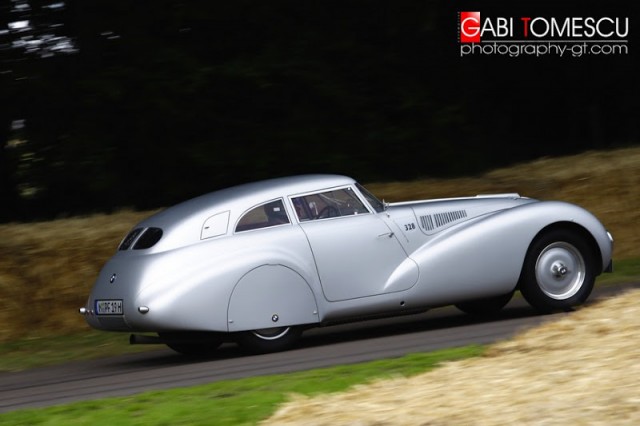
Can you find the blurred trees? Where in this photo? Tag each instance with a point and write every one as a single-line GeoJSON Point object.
{"type": "Point", "coordinates": [114, 103]}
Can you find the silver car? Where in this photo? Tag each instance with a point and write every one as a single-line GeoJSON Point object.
{"type": "Point", "coordinates": [261, 262]}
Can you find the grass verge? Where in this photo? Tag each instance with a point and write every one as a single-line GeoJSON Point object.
{"type": "Point", "coordinates": [234, 402]}
{"type": "Point", "coordinates": [624, 271]}
{"type": "Point", "coordinates": [42, 351]}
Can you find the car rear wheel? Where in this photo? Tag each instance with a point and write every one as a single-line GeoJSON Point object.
{"type": "Point", "coordinates": [485, 307]}
{"type": "Point", "coordinates": [269, 339]}
{"type": "Point", "coordinates": [192, 344]}
{"type": "Point", "coordinates": [558, 272]}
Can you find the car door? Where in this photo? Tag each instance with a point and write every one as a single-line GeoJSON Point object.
{"type": "Point", "coordinates": [356, 253]}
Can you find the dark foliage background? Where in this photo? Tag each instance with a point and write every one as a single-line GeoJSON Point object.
{"type": "Point", "coordinates": [113, 103]}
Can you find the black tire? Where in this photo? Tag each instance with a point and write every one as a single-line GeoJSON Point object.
{"type": "Point", "coordinates": [485, 307]}
{"type": "Point", "coordinates": [558, 272]}
{"type": "Point", "coordinates": [269, 339]}
{"type": "Point", "coordinates": [192, 344]}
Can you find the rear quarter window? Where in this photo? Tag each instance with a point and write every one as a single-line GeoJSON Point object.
{"type": "Point", "coordinates": [263, 216]}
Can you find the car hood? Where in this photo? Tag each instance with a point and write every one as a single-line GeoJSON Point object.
{"type": "Point", "coordinates": [436, 215]}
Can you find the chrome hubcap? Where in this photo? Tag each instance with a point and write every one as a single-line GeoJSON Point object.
{"type": "Point", "coordinates": [560, 270]}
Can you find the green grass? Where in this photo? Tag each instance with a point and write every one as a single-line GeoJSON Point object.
{"type": "Point", "coordinates": [38, 352]}
{"type": "Point", "coordinates": [234, 402]}
{"type": "Point", "coordinates": [624, 271]}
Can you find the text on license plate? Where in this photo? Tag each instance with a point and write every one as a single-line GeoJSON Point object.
{"type": "Point", "coordinates": [109, 307]}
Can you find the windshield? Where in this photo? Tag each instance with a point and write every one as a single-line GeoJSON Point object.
{"type": "Point", "coordinates": [377, 205]}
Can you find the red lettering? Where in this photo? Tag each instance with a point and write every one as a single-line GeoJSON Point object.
{"type": "Point", "coordinates": [526, 25]}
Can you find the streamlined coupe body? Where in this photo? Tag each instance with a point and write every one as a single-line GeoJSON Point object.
{"type": "Point", "coordinates": [260, 262]}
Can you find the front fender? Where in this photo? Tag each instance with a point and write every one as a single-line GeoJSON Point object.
{"type": "Point", "coordinates": [484, 256]}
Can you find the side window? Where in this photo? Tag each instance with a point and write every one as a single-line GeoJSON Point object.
{"type": "Point", "coordinates": [377, 205]}
{"type": "Point", "coordinates": [263, 216]}
{"type": "Point", "coordinates": [336, 203]}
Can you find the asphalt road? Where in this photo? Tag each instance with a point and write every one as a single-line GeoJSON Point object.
{"type": "Point", "coordinates": [345, 344]}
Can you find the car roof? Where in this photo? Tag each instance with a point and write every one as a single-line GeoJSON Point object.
{"type": "Point", "coordinates": [241, 197]}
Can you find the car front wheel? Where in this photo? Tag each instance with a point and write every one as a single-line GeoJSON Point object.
{"type": "Point", "coordinates": [558, 272]}
{"type": "Point", "coordinates": [269, 339]}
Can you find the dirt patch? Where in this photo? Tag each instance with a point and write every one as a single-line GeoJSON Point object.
{"type": "Point", "coordinates": [583, 369]}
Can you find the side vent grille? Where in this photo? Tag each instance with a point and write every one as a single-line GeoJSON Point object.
{"type": "Point", "coordinates": [427, 222]}
{"type": "Point", "coordinates": [444, 218]}
{"type": "Point", "coordinates": [437, 220]}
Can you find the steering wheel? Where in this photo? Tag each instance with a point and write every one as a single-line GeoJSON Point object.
{"type": "Point", "coordinates": [328, 211]}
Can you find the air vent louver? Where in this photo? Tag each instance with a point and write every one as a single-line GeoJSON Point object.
{"type": "Point", "coordinates": [437, 220]}
{"type": "Point", "coordinates": [427, 222]}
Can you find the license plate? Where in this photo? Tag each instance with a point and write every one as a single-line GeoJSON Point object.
{"type": "Point", "coordinates": [109, 307]}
